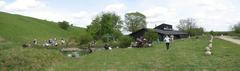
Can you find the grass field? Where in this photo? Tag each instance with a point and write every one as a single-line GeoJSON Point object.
{"type": "Point", "coordinates": [184, 55]}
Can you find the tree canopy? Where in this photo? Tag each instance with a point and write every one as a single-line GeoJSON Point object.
{"type": "Point", "coordinates": [105, 24]}
{"type": "Point", "coordinates": [135, 21]}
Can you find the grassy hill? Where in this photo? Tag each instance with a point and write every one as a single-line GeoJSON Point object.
{"type": "Point", "coordinates": [20, 29]}
{"type": "Point", "coordinates": [16, 30]}
{"type": "Point", "coordinates": [184, 55]}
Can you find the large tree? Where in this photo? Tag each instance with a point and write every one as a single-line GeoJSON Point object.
{"type": "Point", "coordinates": [189, 25]}
{"type": "Point", "coordinates": [186, 24]}
{"type": "Point", "coordinates": [135, 21]}
{"type": "Point", "coordinates": [105, 24]}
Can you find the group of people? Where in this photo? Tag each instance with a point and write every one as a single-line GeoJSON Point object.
{"type": "Point", "coordinates": [54, 42]}
{"type": "Point", "coordinates": [46, 43]}
{"type": "Point", "coordinates": [141, 42]}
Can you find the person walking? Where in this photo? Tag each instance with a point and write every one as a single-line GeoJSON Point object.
{"type": "Point", "coordinates": [167, 41]}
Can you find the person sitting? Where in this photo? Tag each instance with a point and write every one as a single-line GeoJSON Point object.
{"type": "Point", "coordinates": [107, 47]}
{"type": "Point", "coordinates": [35, 42]}
{"type": "Point", "coordinates": [63, 41]}
{"type": "Point", "coordinates": [50, 41]}
{"type": "Point", "coordinates": [149, 43]}
{"type": "Point", "coordinates": [46, 45]}
{"type": "Point", "coordinates": [56, 44]}
{"type": "Point", "coordinates": [25, 45]}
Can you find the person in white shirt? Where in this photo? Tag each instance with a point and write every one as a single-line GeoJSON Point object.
{"type": "Point", "coordinates": [167, 41]}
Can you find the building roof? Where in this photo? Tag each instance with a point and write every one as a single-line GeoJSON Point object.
{"type": "Point", "coordinates": [164, 24]}
{"type": "Point", "coordinates": [141, 30]}
{"type": "Point", "coordinates": [170, 32]}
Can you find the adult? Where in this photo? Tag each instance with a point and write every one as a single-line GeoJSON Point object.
{"type": "Point", "coordinates": [167, 41]}
{"type": "Point", "coordinates": [107, 47]}
{"type": "Point", "coordinates": [63, 41]}
{"type": "Point", "coordinates": [35, 42]}
{"type": "Point", "coordinates": [172, 37]}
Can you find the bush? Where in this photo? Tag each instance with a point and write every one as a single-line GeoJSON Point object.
{"type": "Point", "coordinates": [125, 41]}
{"type": "Point", "coordinates": [85, 38]}
{"type": "Point", "coordinates": [236, 28]}
{"type": "Point", "coordinates": [196, 31]}
{"type": "Point", "coordinates": [115, 44]}
{"type": "Point", "coordinates": [107, 38]}
{"type": "Point", "coordinates": [64, 25]}
{"type": "Point", "coordinates": [99, 44]}
{"type": "Point", "coordinates": [151, 35]}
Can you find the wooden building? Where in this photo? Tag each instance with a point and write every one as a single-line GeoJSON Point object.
{"type": "Point", "coordinates": [163, 30]}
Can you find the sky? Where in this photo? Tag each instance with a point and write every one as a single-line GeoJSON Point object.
{"type": "Point", "coordinates": [216, 15]}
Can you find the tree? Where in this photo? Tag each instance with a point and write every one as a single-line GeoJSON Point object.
{"type": "Point", "coordinates": [105, 24]}
{"type": "Point", "coordinates": [186, 24]}
{"type": "Point", "coordinates": [64, 25]}
{"type": "Point", "coordinates": [212, 32]}
{"type": "Point", "coordinates": [151, 35]}
{"type": "Point", "coordinates": [135, 21]}
{"type": "Point", "coordinates": [189, 26]}
{"type": "Point", "coordinates": [236, 28]}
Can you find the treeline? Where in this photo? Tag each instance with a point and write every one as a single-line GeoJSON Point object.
{"type": "Point", "coordinates": [189, 26]}
{"type": "Point", "coordinates": [106, 27]}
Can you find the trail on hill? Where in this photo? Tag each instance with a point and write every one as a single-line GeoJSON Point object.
{"type": "Point", "coordinates": [230, 39]}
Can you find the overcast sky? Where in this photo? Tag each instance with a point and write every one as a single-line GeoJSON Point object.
{"type": "Point", "coordinates": [217, 15]}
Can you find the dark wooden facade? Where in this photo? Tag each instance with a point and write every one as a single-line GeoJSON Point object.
{"type": "Point", "coordinates": [163, 30]}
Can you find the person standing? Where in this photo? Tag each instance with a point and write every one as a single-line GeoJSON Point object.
{"type": "Point", "coordinates": [167, 41]}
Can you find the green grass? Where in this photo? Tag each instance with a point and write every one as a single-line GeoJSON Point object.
{"type": "Point", "coordinates": [184, 55]}
{"type": "Point", "coordinates": [19, 29]}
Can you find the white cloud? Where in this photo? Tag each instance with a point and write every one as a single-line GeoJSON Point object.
{"type": "Point", "coordinates": [115, 7]}
{"type": "Point", "coordinates": [2, 3]}
{"type": "Point", "coordinates": [216, 15]}
{"type": "Point", "coordinates": [158, 15]}
{"type": "Point", "coordinates": [81, 19]}
{"type": "Point", "coordinates": [22, 5]}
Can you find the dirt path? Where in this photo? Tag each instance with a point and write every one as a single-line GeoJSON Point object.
{"type": "Point", "coordinates": [230, 39]}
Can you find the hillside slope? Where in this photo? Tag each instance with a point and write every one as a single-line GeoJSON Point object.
{"type": "Point", "coordinates": [16, 30]}
{"type": "Point", "coordinates": [20, 29]}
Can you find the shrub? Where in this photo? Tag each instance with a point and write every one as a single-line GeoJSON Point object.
{"type": "Point", "coordinates": [236, 28]}
{"type": "Point", "coordinates": [85, 38]}
{"type": "Point", "coordinates": [125, 41]}
{"type": "Point", "coordinates": [107, 38]}
{"type": "Point", "coordinates": [99, 44]}
{"type": "Point", "coordinates": [151, 35]}
{"type": "Point", "coordinates": [64, 25]}
{"type": "Point", "coordinates": [196, 31]}
{"type": "Point", "coordinates": [115, 44]}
